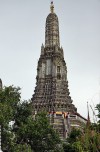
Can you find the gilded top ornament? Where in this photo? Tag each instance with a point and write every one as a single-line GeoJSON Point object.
{"type": "Point", "coordinates": [52, 7]}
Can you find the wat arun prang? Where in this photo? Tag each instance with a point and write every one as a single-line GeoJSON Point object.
{"type": "Point", "coordinates": [51, 92]}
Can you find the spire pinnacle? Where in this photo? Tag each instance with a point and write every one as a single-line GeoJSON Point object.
{"type": "Point", "coordinates": [52, 7]}
{"type": "Point", "coordinates": [88, 118]}
{"type": "Point", "coordinates": [0, 84]}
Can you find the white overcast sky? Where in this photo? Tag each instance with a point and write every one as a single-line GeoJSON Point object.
{"type": "Point", "coordinates": [22, 31]}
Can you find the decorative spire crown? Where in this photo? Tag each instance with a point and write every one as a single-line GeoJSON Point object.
{"type": "Point", "coordinates": [52, 29]}
{"type": "Point", "coordinates": [52, 7]}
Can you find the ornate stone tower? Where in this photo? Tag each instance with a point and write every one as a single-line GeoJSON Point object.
{"type": "Point", "coordinates": [51, 91]}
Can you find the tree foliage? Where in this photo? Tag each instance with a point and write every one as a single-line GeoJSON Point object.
{"type": "Point", "coordinates": [98, 108]}
{"type": "Point", "coordinates": [9, 98]}
{"type": "Point", "coordinates": [35, 131]}
{"type": "Point", "coordinates": [23, 131]}
{"type": "Point", "coordinates": [26, 133]}
{"type": "Point", "coordinates": [72, 142]}
{"type": "Point", "coordinates": [89, 141]}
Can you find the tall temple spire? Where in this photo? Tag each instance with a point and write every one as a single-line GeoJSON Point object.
{"type": "Point", "coordinates": [52, 29]}
{"type": "Point", "coordinates": [51, 92]}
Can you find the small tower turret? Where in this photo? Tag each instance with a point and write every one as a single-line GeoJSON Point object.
{"type": "Point", "coordinates": [0, 84]}
{"type": "Point", "coordinates": [88, 117]}
{"type": "Point", "coordinates": [42, 49]}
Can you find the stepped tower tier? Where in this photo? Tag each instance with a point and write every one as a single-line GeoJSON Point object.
{"type": "Point", "coordinates": [51, 91]}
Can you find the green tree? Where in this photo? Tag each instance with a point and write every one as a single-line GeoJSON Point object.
{"type": "Point", "coordinates": [98, 108]}
{"type": "Point", "coordinates": [87, 141]}
{"type": "Point", "coordinates": [72, 143]}
{"type": "Point", "coordinates": [98, 125]}
{"type": "Point", "coordinates": [36, 132]}
{"type": "Point", "coordinates": [27, 132]}
{"type": "Point", "coordinates": [74, 135]}
{"type": "Point", "coordinates": [20, 148]}
{"type": "Point", "coordinates": [9, 99]}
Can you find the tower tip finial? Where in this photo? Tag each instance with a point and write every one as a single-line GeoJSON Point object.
{"type": "Point", "coordinates": [0, 83]}
{"type": "Point", "coordinates": [88, 118]}
{"type": "Point", "coordinates": [52, 7]}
